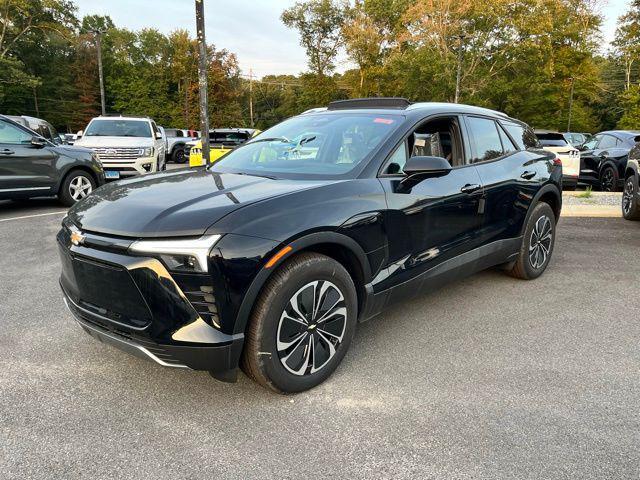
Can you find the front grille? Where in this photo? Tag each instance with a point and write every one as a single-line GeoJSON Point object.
{"type": "Point", "coordinates": [123, 153]}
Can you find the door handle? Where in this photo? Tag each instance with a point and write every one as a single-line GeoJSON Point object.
{"type": "Point", "coordinates": [528, 175]}
{"type": "Point", "coordinates": [470, 188]}
{"type": "Point", "coordinates": [7, 151]}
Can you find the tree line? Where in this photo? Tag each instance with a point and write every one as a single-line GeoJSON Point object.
{"type": "Point", "coordinates": [542, 61]}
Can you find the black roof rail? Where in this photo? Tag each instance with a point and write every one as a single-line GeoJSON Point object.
{"type": "Point", "coordinates": [376, 102]}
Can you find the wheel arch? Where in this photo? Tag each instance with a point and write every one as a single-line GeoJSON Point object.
{"type": "Point", "coordinates": [69, 170]}
{"type": "Point", "coordinates": [548, 194]}
{"type": "Point", "coordinates": [339, 247]}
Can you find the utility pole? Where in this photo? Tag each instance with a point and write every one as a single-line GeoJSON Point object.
{"type": "Point", "coordinates": [98, 33]}
{"type": "Point", "coordinates": [459, 72]}
{"type": "Point", "coordinates": [570, 105]}
{"type": "Point", "coordinates": [202, 81]}
{"type": "Point", "coordinates": [251, 96]}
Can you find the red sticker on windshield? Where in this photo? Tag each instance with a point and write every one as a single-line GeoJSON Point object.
{"type": "Point", "coordinates": [386, 121]}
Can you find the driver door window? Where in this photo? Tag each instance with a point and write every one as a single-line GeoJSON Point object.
{"type": "Point", "coordinates": [10, 134]}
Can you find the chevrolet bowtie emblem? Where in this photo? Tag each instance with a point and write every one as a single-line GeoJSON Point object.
{"type": "Point", "coordinates": [77, 238]}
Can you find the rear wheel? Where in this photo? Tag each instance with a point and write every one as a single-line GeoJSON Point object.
{"type": "Point", "coordinates": [609, 179]}
{"type": "Point", "coordinates": [630, 207]}
{"type": "Point", "coordinates": [302, 324]}
{"type": "Point", "coordinates": [77, 185]}
{"type": "Point", "coordinates": [537, 244]}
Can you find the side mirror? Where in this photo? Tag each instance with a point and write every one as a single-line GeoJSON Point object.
{"type": "Point", "coordinates": [79, 134]}
{"type": "Point", "coordinates": [159, 135]}
{"type": "Point", "coordinates": [38, 142]}
{"type": "Point", "coordinates": [427, 166]}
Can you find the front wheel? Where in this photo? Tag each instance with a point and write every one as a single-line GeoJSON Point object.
{"type": "Point", "coordinates": [77, 185]}
{"type": "Point", "coordinates": [537, 244]}
{"type": "Point", "coordinates": [302, 324]}
{"type": "Point", "coordinates": [630, 207]}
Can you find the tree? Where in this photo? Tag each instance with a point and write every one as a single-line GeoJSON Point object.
{"type": "Point", "coordinates": [319, 23]}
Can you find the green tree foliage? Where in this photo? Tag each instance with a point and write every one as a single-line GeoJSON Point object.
{"type": "Point", "coordinates": [318, 22]}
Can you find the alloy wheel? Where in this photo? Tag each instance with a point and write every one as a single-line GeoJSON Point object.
{"type": "Point", "coordinates": [540, 242]}
{"type": "Point", "coordinates": [627, 196]}
{"type": "Point", "coordinates": [607, 180]}
{"type": "Point", "coordinates": [311, 327]}
{"type": "Point", "coordinates": [80, 187]}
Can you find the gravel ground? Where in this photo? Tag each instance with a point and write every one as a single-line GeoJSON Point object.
{"type": "Point", "coordinates": [489, 377]}
{"type": "Point", "coordinates": [599, 198]}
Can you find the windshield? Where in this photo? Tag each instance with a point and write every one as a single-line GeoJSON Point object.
{"type": "Point", "coordinates": [118, 128]}
{"type": "Point", "coordinates": [324, 145]}
{"type": "Point", "coordinates": [552, 140]}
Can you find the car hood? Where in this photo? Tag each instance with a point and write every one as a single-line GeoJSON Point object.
{"type": "Point", "coordinates": [73, 150]}
{"type": "Point", "coordinates": [97, 142]}
{"type": "Point", "coordinates": [181, 203]}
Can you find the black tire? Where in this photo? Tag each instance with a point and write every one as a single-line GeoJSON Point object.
{"type": "Point", "coordinates": [609, 179]}
{"type": "Point", "coordinates": [178, 155]}
{"type": "Point", "coordinates": [71, 183]}
{"type": "Point", "coordinates": [275, 339]}
{"type": "Point", "coordinates": [529, 264]}
{"type": "Point", "coordinates": [630, 206]}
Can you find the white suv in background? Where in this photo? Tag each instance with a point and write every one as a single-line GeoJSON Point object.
{"type": "Point", "coordinates": [556, 142]}
{"type": "Point", "coordinates": [126, 146]}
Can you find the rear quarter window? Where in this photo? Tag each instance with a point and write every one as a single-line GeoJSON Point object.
{"type": "Point", "coordinates": [522, 134]}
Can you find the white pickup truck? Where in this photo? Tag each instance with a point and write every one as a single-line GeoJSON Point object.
{"type": "Point", "coordinates": [126, 146]}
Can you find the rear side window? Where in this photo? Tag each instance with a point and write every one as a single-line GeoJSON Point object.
{"type": "Point", "coordinates": [522, 135]}
{"type": "Point", "coordinates": [485, 139]}
{"type": "Point", "coordinates": [507, 144]}
{"type": "Point", "coordinates": [608, 142]}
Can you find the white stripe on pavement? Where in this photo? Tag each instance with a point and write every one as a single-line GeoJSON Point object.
{"type": "Point", "coordinates": [32, 216]}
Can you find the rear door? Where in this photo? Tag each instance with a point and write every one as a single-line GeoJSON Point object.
{"type": "Point", "coordinates": [510, 174]}
{"type": "Point", "coordinates": [24, 168]}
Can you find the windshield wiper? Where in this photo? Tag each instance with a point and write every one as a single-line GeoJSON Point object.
{"type": "Point", "coordinates": [255, 175]}
{"type": "Point", "coordinates": [272, 139]}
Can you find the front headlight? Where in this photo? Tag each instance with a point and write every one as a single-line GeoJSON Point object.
{"type": "Point", "coordinates": [147, 152]}
{"type": "Point", "coordinates": [183, 255]}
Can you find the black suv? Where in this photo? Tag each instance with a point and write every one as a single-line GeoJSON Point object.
{"type": "Point", "coordinates": [269, 258]}
{"type": "Point", "coordinates": [32, 166]}
{"type": "Point", "coordinates": [604, 159]}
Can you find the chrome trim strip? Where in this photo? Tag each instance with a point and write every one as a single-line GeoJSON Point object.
{"type": "Point", "coordinates": [24, 189]}
{"type": "Point", "coordinates": [117, 340]}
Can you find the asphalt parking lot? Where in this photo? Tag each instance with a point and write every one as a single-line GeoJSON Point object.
{"type": "Point", "coordinates": [490, 377]}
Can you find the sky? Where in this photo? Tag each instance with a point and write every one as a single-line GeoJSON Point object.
{"type": "Point", "coordinates": [249, 28]}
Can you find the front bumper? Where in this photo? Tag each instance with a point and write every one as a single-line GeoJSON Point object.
{"type": "Point", "coordinates": [136, 305]}
{"type": "Point", "coordinates": [130, 168]}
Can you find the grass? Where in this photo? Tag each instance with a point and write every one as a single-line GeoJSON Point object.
{"type": "Point", "coordinates": [586, 193]}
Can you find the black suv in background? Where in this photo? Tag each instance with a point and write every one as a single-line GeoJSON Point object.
{"type": "Point", "coordinates": [32, 166]}
{"type": "Point", "coordinates": [268, 258]}
{"type": "Point", "coordinates": [604, 159]}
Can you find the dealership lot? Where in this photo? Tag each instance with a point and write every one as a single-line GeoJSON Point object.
{"type": "Point", "coordinates": [487, 378]}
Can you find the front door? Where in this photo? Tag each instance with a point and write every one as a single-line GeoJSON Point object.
{"type": "Point", "coordinates": [429, 220]}
{"type": "Point", "coordinates": [24, 168]}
